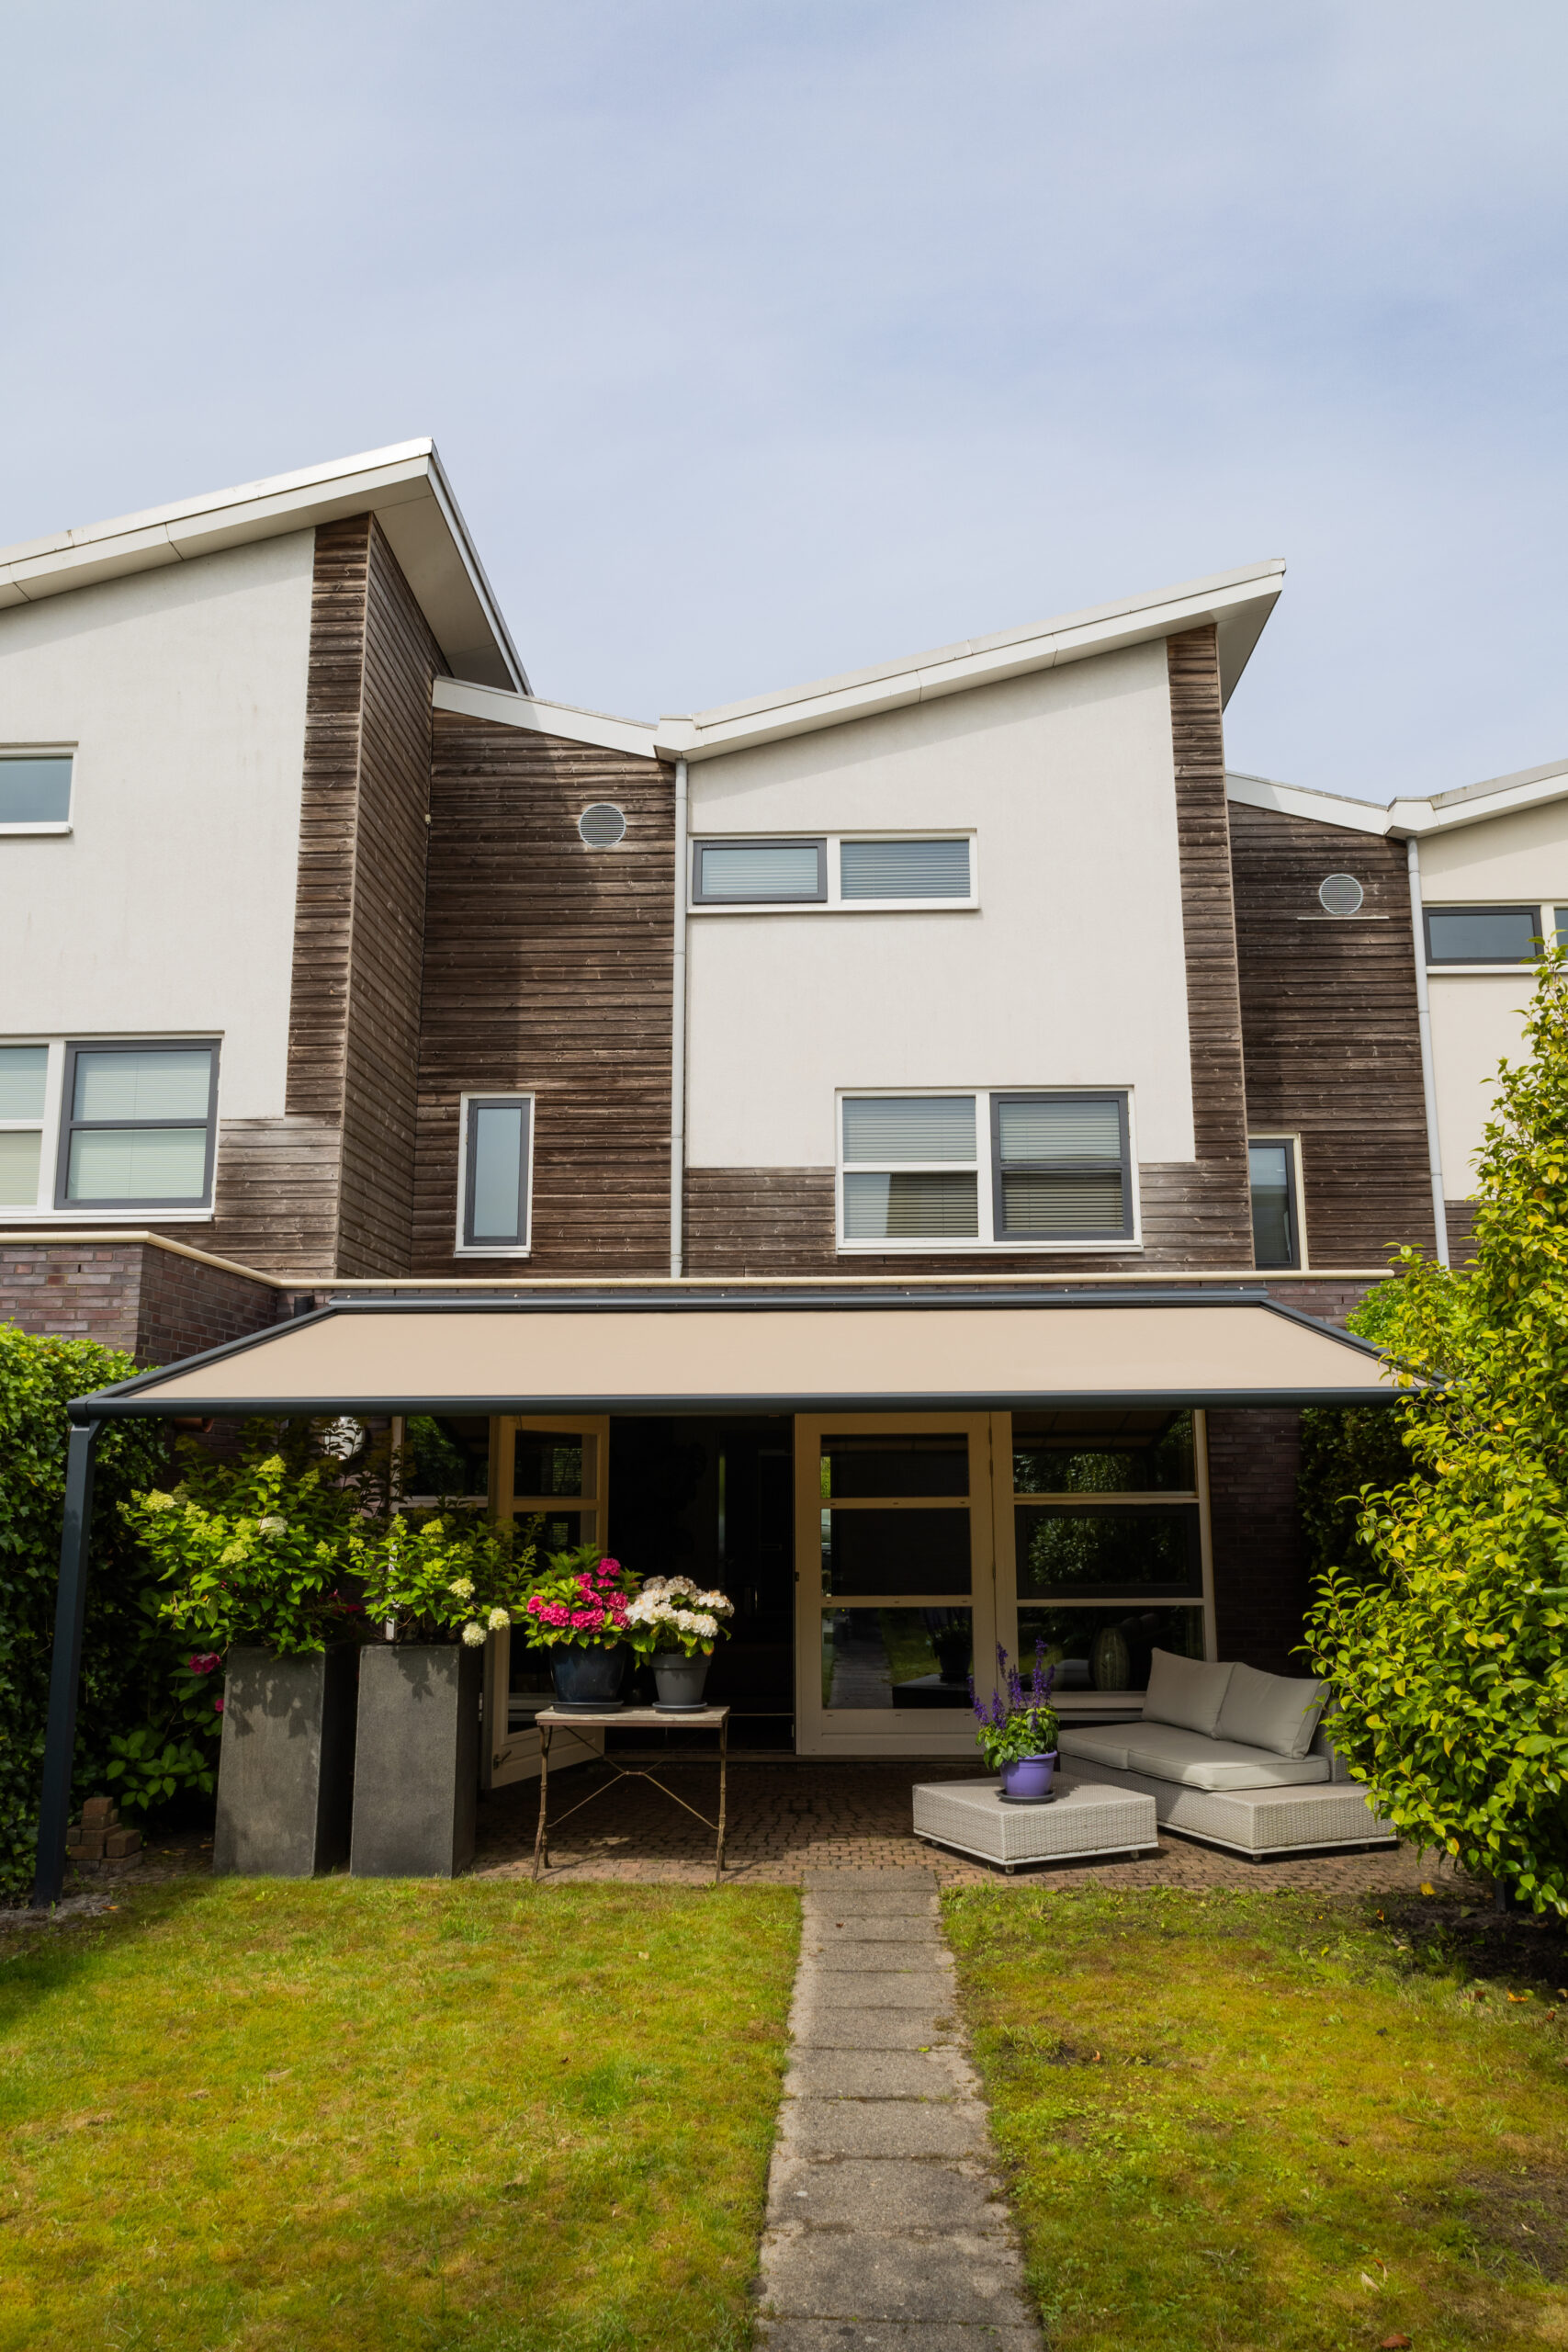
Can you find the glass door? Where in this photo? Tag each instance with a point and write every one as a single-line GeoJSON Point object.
{"type": "Point", "coordinates": [894, 1585]}
{"type": "Point", "coordinates": [557, 1472]}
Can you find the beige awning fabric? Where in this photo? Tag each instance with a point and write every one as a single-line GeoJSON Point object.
{"type": "Point", "coordinates": [737, 1354]}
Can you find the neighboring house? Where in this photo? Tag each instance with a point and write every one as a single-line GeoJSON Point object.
{"type": "Point", "coordinates": [336, 960]}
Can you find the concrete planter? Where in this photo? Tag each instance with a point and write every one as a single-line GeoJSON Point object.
{"type": "Point", "coordinates": [417, 1777]}
{"type": "Point", "coordinates": [286, 1764]}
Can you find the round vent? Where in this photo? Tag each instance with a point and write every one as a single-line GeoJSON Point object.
{"type": "Point", "coordinates": [1341, 895]}
{"type": "Point", "coordinates": [603, 825]}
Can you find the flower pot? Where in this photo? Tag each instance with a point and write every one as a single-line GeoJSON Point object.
{"type": "Point", "coordinates": [679, 1680]}
{"type": "Point", "coordinates": [286, 1763]}
{"type": "Point", "coordinates": [417, 1780]}
{"type": "Point", "coordinates": [589, 1676]}
{"type": "Point", "coordinates": [1028, 1779]}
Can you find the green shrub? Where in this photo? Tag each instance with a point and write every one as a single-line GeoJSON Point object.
{"type": "Point", "coordinates": [1344, 1449]}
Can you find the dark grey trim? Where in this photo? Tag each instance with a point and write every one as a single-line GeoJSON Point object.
{"type": "Point", "coordinates": [105, 1406]}
{"type": "Point", "coordinates": [1507, 961]}
{"type": "Point", "coordinates": [1000, 1232]}
{"type": "Point", "coordinates": [65, 1664]}
{"type": "Point", "coordinates": [767, 897]}
{"type": "Point", "coordinates": [520, 1240]}
{"type": "Point", "coordinates": [1292, 1203]}
{"type": "Point", "coordinates": [69, 1125]}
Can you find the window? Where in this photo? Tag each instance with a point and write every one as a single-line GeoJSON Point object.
{"type": "Point", "coordinates": [495, 1175]}
{"type": "Point", "coordinates": [1483, 934]}
{"type": "Point", "coordinates": [1276, 1215]}
{"type": "Point", "coordinates": [835, 871]}
{"type": "Point", "coordinates": [137, 1126]}
{"type": "Point", "coordinates": [987, 1170]}
{"type": "Point", "coordinates": [35, 791]}
{"type": "Point", "coordinates": [24, 1079]}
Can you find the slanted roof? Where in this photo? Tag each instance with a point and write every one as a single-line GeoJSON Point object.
{"type": "Point", "coordinates": [404, 487]}
{"type": "Point", "coordinates": [1442, 812]}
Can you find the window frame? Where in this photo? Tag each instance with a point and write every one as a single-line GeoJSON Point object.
{"type": "Point", "coordinates": [985, 1168]}
{"type": "Point", "coordinates": [831, 899]}
{"type": "Point", "coordinates": [1544, 911]}
{"type": "Point", "coordinates": [484, 1099]}
{"type": "Point", "coordinates": [1000, 1095]}
{"type": "Point", "coordinates": [69, 1126]}
{"type": "Point", "coordinates": [1295, 1203]}
{"type": "Point", "coordinates": [21, 826]}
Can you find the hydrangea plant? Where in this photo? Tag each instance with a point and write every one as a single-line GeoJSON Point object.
{"type": "Point", "coordinates": [673, 1613]}
{"type": "Point", "coordinates": [441, 1579]}
{"type": "Point", "coordinates": [581, 1598]}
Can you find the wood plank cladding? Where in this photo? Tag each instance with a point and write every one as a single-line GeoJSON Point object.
{"type": "Point", "coordinates": [547, 970]}
{"type": "Point", "coordinates": [1329, 1015]}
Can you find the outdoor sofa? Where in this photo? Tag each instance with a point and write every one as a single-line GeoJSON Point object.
{"type": "Point", "coordinates": [1233, 1758]}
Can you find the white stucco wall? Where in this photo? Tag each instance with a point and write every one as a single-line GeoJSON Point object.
{"type": "Point", "coordinates": [1071, 971]}
{"type": "Point", "coordinates": [170, 906]}
{"type": "Point", "coordinates": [1518, 857]}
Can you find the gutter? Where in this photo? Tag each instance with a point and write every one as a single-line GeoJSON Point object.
{"type": "Point", "coordinates": [677, 1040]}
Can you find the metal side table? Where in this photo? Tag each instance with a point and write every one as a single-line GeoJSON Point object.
{"type": "Point", "coordinates": [549, 1719]}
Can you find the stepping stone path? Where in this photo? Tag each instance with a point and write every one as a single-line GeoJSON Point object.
{"type": "Point", "coordinates": [887, 2230]}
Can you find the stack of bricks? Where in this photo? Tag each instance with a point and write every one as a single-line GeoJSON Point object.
{"type": "Point", "coordinates": [97, 1842]}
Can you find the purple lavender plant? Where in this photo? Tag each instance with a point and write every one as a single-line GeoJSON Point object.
{"type": "Point", "coordinates": [1020, 1721]}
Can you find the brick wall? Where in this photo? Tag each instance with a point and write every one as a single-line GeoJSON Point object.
{"type": "Point", "coordinates": [1260, 1571]}
{"type": "Point", "coordinates": [151, 1302]}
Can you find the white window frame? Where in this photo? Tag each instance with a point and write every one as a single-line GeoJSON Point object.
{"type": "Point", "coordinates": [40, 825]}
{"type": "Point", "coordinates": [1547, 930]}
{"type": "Point", "coordinates": [53, 1124]}
{"type": "Point", "coordinates": [464, 1249]}
{"type": "Point", "coordinates": [834, 903]}
{"type": "Point", "coordinates": [986, 1243]}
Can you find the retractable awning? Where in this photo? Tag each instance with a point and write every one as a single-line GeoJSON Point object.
{"type": "Point", "coordinates": [809, 1351]}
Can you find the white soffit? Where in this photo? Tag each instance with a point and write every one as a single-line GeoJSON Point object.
{"type": "Point", "coordinates": [635, 736]}
{"type": "Point", "coordinates": [404, 487]}
{"type": "Point", "coordinates": [1469, 804]}
{"type": "Point", "coordinates": [1237, 601]}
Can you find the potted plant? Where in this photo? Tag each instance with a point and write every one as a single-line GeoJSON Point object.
{"type": "Point", "coordinates": [437, 1586]}
{"type": "Point", "coordinates": [674, 1623]}
{"type": "Point", "coordinates": [1017, 1734]}
{"type": "Point", "coordinates": [253, 1553]}
{"type": "Point", "coordinates": [577, 1611]}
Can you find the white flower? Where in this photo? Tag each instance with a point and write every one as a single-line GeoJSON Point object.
{"type": "Point", "coordinates": [497, 1618]}
{"type": "Point", "coordinates": [474, 1636]}
{"type": "Point", "coordinates": [158, 1501]}
{"type": "Point", "coordinates": [272, 1525]}
{"type": "Point", "coordinates": [463, 1586]}
{"type": "Point", "coordinates": [686, 1622]}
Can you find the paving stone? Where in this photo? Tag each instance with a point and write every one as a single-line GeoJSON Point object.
{"type": "Point", "coordinates": [891, 2335]}
{"type": "Point", "coordinates": [881, 1988]}
{"type": "Point", "coordinates": [831, 2029]}
{"type": "Point", "coordinates": [851, 1896]}
{"type": "Point", "coordinates": [843, 1953]}
{"type": "Point", "coordinates": [885, 2194]}
{"type": "Point", "coordinates": [883, 2127]}
{"type": "Point", "coordinates": [875, 2074]}
{"type": "Point", "coordinates": [848, 2274]}
{"type": "Point", "coordinates": [825, 1922]}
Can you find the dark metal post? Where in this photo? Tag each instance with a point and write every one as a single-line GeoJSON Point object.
{"type": "Point", "coordinates": [65, 1670]}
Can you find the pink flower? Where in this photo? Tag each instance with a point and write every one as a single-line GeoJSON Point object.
{"type": "Point", "coordinates": [218, 1706]}
{"type": "Point", "coordinates": [204, 1662]}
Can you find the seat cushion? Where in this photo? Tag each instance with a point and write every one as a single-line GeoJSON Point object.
{"type": "Point", "coordinates": [1165, 1752]}
{"type": "Point", "coordinates": [1186, 1691]}
{"type": "Point", "coordinates": [1097, 1744]}
{"type": "Point", "coordinates": [1272, 1710]}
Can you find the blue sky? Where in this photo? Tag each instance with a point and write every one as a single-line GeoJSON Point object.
{"type": "Point", "coordinates": [763, 341]}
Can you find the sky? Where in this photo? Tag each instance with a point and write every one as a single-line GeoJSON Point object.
{"type": "Point", "coordinates": [765, 341]}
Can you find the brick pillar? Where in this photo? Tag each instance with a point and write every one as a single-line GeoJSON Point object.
{"type": "Point", "coordinates": [1261, 1569]}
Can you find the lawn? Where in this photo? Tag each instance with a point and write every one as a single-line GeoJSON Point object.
{"type": "Point", "coordinates": [258, 2112]}
{"type": "Point", "coordinates": [1250, 2122]}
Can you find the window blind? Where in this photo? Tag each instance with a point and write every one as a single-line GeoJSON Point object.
{"type": "Point", "coordinates": [1035, 1201]}
{"type": "Point", "coordinates": [1039, 1128]}
{"type": "Point", "coordinates": [909, 1207]}
{"type": "Point", "coordinates": [737, 871]}
{"type": "Point", "coordinates": [903, 870]}
{"type": "Point", "coordinates": [909, 1128]}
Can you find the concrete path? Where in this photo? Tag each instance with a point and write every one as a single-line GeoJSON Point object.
{"type": "Point", "coordinates": [886, 2229]}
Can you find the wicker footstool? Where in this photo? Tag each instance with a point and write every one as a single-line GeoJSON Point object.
{"type": "Point", "coordinates": [1087, 1817]}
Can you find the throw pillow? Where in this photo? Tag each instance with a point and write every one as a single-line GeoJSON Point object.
{"type": "Point", "coordinates": [1272, 1710]}
{"type": "Point", "coordinates": [1185, 1691]}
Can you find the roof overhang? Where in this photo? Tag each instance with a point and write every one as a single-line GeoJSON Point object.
{"type": "Point", "coordinates": [1445, 812]}
{"type": "Point", "coordinates": [536, 717]}
{"type": "Point", "coordinates": [797, 1353]}
{"type": "Point", "coordinates": [404, 487]}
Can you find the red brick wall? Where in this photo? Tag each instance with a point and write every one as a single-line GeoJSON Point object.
{"type": "Point", "coordinates": [152, 1303]}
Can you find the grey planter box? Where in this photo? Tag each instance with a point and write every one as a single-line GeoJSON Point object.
{"type": "Point", "coordinates": [286, 1764]}
{"type": "Point", "coordinates": [417, 1777]}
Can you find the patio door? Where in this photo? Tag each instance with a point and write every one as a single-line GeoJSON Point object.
{"type": "Point", "coordinates": [895, 1580]}
{"type": "Point", "coordinates": [556, 1471]}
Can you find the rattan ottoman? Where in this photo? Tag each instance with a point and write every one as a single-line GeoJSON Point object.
{"type": "Point", "coordinates": [1086, 1818]}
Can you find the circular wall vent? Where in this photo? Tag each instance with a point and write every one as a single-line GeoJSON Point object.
{"type": "Point", "coordinates": [1341, 895]}
{"type": "Point", "coordinates": [603, 825]}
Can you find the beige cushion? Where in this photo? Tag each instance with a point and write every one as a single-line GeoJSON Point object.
{"type": "Point", "coordinates": [1272, 1710]}
{"type": "Point", "coordinates": [1097, 1745]}
{"type": "Point", "coordinates": [1184, 1690]}
{"type": "Point", "coordinates": [1165, 1752]}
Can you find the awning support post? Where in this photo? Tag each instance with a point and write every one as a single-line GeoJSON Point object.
{"type": "Point", "coordinates": [65, 1670]}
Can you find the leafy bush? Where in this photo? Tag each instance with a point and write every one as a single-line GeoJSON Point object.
{"type": "Point", "coordinates": [1345, 1448]}
{"type": "Point", "coordinates": [439, 1577]}
{"type": "Point", "coordinates": [1452, 1672]}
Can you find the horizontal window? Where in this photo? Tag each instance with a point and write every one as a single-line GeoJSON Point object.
{"type": "Point", "coordinates": [834, 870]}
{"type": "Point", "coordinates": [1482, 935]}
{"type": "Point", "coordinates": [1109, 1549]}
{"type": "Point", "coordinates": [1130, 1451]}
{"type": "Point", "coordinates": [495, 1179]}
{"type": "Point", "coordinates": [138, 1126]}
{"type": "Point", "coordinates": [35, 788]}
{"type": "Point", "coordinates": [1003, 1170]}
{"type": "Point", "coordinates": [1108, 1649]}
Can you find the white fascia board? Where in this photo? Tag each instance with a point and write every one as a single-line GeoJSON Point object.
{"type": "Point", "coordinates": [1298, 800]}
{"type": "Point", "coordinates": [1239, 602]}
{"type": "Point", "coordinates": [1471, 805]}
{"type": "Point", "coordinates": [543, 718]}
{"type": "Point", "coordinates": [1445, 816]}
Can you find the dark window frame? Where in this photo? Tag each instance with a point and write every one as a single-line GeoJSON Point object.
{"type": "Point", "coordinates": [1000, 1233]}
{"type": "Point", "coordinates": [70, 1124]}
{"type": "Point", "coordinates": [1503, 963]}
{"type": "Point", "coordinates": [819, 897]}
{"type": "Point", "coordinates": [493, 1246]}
{"type": "Point", "coordinates": [1290, 1147]}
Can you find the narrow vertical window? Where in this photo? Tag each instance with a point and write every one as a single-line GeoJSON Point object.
{"type": "Point", "coordinates": [1276, 1215]}
{"type": "Point", "coordinates": [497, 1163]}
{"type": "Point", "coordinates": [24, 1070]}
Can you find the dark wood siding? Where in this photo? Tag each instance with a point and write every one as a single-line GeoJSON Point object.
{"type": "Point", "coordinates": [549, 970]}
{"type": "Point", "coordinates": [1333, 1048]}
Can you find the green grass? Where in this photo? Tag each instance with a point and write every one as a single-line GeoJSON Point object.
{"type": "Point", "coordinates": [343, 2114]}
{"type": "Point", "coordinates": [1253, 2123]}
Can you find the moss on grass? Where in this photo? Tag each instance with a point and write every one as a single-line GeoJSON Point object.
{"type": "Point", "coordinates": [1251, 2123]}
{"type": "Point", "coordinates": [257, 2113]}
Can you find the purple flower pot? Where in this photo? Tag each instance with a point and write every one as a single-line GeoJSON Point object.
{"type": "Point", "coordinates": [1029, 1777]}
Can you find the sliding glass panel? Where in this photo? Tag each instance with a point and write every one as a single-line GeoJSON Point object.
{"type": "Point", "coordinates": [20, 1148]}
{"type": "Point", "coordinates": [446, 1454]}
{"type": "Point", "coordinates": [1482, 934]}
{"type": "Point", "coordinates": [911, 1208]}
{"type": "Point", "coordinates": [1039, 1204]}
{"type": "Point", "coordinates": [147, 1164]}
{"type": "Point", "coordinates": [1108, 1649]}
{"type": "Point", "coordinates": [884, 1467]}
{"type": "Point", "coordinates": [23, 1069]}
{"type": "Point", "coordinates": [546, 1464]}
{"type": "Point", "coordinates": [1268, 1168]}
{"type": "Point", "coordinates": [1110, 1548]}
{"type": "Point", "coordinates": [35, 792]}
{"type": "Point", "coordinates": [895, 1551]}
{"type": "Point", "coordinates": [498, 1143]}
{"type": "Point", "coordinates": [1133, 1453]}
{"type": "Point", "coordinates": [903, 870]}
{"type": "Point", "coordinates": [1039, 1128]}
{"type": "Point", "coordinates": [737, 871]}
{"type": "Point", "coordinates": [146, 1083]}
{"type": "Point", "coordinates": [896, 1658]}
{"type": "Point", "coordinates": [882, 1127]}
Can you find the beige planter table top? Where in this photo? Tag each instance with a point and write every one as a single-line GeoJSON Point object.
{"type": "Point", "coordinates": [1085, 1818]}
{"type": "Point", "coordinates": [551, 1719]}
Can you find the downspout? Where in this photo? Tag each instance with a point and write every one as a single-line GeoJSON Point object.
{"type": "Point", "coordinates": [678, 1040]}
{"type": "Point", "coordinates": [65, 1667]}
{"type": "Point", "coordinates": [1428, 1067]}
